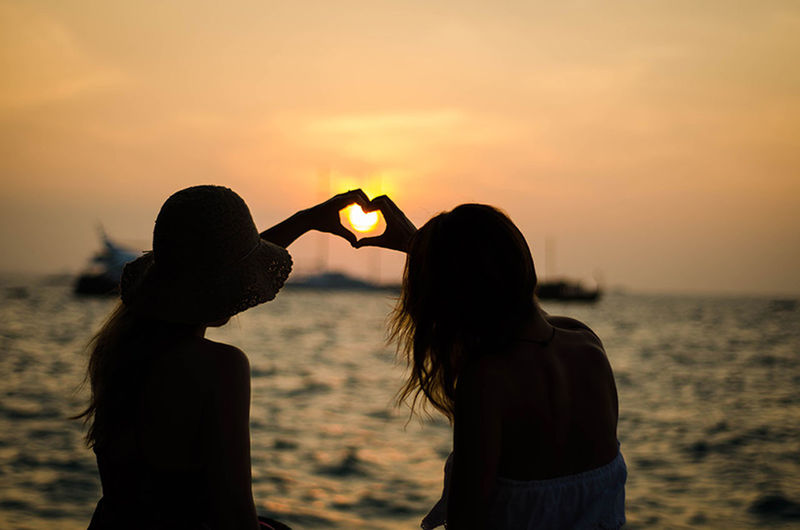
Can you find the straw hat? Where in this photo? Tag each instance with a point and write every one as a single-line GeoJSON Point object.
{"type": "Point", "coordinates": [208, 261]}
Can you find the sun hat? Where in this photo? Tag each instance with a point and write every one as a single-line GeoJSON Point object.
{"type": "Point", "coordinates": [208, 261]}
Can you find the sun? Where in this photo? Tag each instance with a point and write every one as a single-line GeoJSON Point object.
{"type": "Point", "coordinates": [360, 220]}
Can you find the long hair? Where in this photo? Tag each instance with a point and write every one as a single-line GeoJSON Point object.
{"type": "Point", "coordinates": [468, 286]}
{"type": "Point", "coordinates": [121, 354]}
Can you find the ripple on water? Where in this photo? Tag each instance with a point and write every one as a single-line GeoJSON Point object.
{"type": "Point", "coordinates": [283, 444]}
{"type": "Point", "coordinates": [349, 466]}
{"type": "Point", "coordinates": [72, 488]}
{"type": "Point", "coordinates": [775, 507]}
{"type": "Point", "coordinates": [382, 504]}
{"type": "Point", "coordinates": [309, 388]}
{"type": "Point", "coordinates": [299, 518]}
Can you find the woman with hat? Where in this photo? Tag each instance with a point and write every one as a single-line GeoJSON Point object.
{"type": "Point", "coordinates": [531, 396]}
{"type": "Point", "coordinates": [169, 410]}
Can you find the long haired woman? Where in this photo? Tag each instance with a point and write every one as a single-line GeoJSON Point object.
{"type": "Point", "coordinates": [169, 410]}
{"type": "Point", "coordinates": [531, 397]}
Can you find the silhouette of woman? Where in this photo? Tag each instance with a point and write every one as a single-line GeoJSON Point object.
{"type": "Point", "coordinates": [169, 410]}
{"type": "Point", "coordinates": [531, 397]}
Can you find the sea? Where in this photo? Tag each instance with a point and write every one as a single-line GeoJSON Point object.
{"type": "Point", "coordinates": [709, 390]}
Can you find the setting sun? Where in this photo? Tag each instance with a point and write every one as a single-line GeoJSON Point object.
{"type": "Point", "coordinates": [361, 220]}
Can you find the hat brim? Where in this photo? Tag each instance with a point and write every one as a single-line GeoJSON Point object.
{"type": "Point", "coordinates": [188, 298]}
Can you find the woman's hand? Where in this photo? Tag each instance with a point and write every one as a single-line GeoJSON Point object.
{"type": "Point", "coordinates": [324, 217]}
{"type": "Point", "coordinates": [398, 228]}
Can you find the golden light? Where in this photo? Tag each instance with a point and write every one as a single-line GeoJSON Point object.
{"type": "Point", "coordinates": [360, 220]}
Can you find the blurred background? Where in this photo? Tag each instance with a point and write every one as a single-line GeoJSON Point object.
{"type": "Point", "coordinates": [650, 150]}
{"type": "Point", "coordinates": [654, 142]}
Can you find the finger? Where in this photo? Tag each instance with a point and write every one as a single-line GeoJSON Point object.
{"type": "Point", "coordinates": [356, 194]}
{"type": "Point", "coordinates": [393, 215]}
{"type": "Point", "coordinates": [382, 203]}
{"type": "Point", "coordinates": [385, 199]}
{"type": "Point", "coordinates": [353, 196]}
{"type": "Point", "coordinates": [344, 233]}
{"type": "Point", "coordinates": [374, 241]}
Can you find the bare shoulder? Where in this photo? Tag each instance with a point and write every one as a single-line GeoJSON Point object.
{"type": "Point", "coordinates": [584, 361]}
{"type": "Point", "coordinates": [210, 363]}
{"type": "Point", "coordinates": [572, 324]}
{"type": "Point", "coordinates": [219, 352]}
{"type": "Point", "coordinates": [591, 359]}
{"type": "Point", "coordinates": [223, 360]}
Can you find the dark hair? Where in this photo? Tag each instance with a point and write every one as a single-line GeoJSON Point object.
{"type": "Point", "coordinates": [468, 285]}
{"type": "Point", "coordinates": [121, 353]}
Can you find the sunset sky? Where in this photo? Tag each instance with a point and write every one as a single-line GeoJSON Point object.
{"type": "Point", "coordinates": [656, 145]}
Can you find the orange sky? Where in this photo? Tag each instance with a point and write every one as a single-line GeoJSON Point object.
{"type": "Point", "coordinates": [656, 143]}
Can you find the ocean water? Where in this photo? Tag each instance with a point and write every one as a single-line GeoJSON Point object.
{"type": "Point", "coordinates": [709, 404]}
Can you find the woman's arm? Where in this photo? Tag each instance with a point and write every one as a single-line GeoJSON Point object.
{"type": "Point", "coordinates": [323, 217]}
{"type": "Point", "coordinates": [228, 428]}
{"type": "Point", "coordinates": [477, 433]}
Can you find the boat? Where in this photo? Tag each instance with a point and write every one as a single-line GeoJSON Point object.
{"type": "Point", "coordinates": [561, 289]}
{"type": "Point", "coordinates": [102, 276]}
{"type": "Point", "coordinates": [566, 291]}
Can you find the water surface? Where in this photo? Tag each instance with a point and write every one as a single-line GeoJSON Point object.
{"type": "Point", "coordinates": [708, 401]}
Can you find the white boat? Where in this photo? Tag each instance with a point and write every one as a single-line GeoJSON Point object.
{"type": "Point", "coordinates": [104, 272]}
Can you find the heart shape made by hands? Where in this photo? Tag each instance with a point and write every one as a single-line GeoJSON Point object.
{"type": "Point", "coordinates": [396, 230]}
{"type": "Point", "coordinates": [362, 224]}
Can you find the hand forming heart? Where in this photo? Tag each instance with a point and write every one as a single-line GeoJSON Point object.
{"type": "Point", "coordinates": [398, 228]}
{"type": "Point", "coordinates": [325, 218]}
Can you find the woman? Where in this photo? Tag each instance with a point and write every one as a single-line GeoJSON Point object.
{"type": "Point", "coordinates": [169, 410]}
{"type": "Point", "coordinates": [531, 396]}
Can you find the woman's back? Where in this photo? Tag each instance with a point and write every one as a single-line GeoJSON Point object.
{"type": "Point", "coordinates": [170, 423]}
{"type": "Point", "coordinates": [559, 404]}
{"type": "Point", "coordinates": [535, 434]}
{"type": "Point", "coordinates": [164, 468]}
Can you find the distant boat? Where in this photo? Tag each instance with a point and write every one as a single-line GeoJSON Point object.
{"type": "Point", "coordinates": [783, 304]}
{"type": "Point", "coordinates": [337, 281]}
{"type": "Point", "coordinates": [566, 291]}
{"type": "Point", "coordinates": [105, 269]}
{"type": "Point", "coordinates": [562, 289]}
